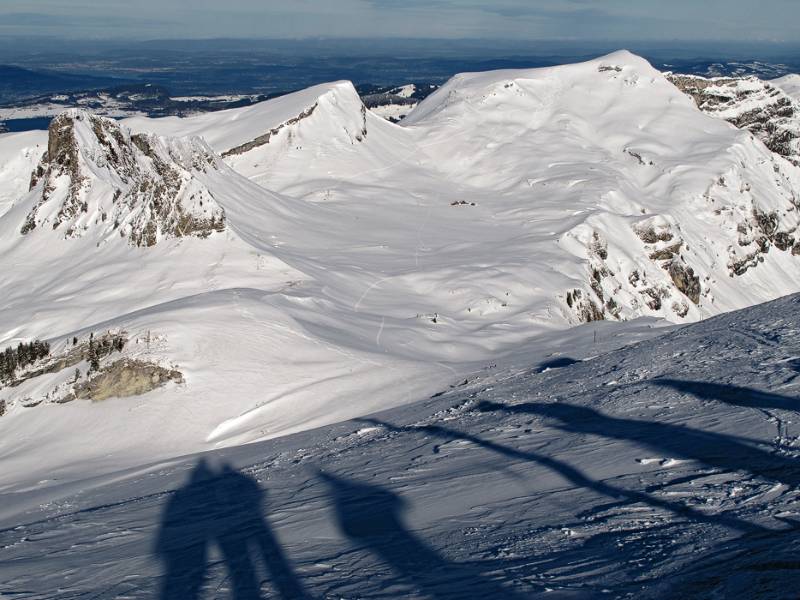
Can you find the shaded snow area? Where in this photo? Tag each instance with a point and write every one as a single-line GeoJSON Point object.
{"type": "Point", "coordinates": [667, 469]}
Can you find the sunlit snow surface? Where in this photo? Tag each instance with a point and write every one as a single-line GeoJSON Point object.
{"type": "Point", "coordinates": [668, 469]}
{"type": "Point", "coordinates": [789, 84]}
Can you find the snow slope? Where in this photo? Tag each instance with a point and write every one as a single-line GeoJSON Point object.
{"type": "Point", "coordinates": [662, 470]}
{"type": "Point", "coordinates": [360, 263]}
{"type": "Point", "coordinates": [19, 154]}
{"type": "Point", "coordinates": [789, 84]}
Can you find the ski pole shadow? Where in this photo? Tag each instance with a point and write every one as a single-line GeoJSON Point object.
{"type": "Point", "coordinates": [678, 441]}
{"type": "Point", "coordinates": [224, 509]}
{"type": "Point", "coordinates": [595, 551]}
{"type": "Point", "coordinates": [575, 475]}
{"type": "Point", "coordinates": [731, 394]}
{"type": "Point", "coordinates": [371, 517]}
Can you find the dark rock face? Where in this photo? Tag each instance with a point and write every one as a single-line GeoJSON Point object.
{"type": "Point", "coordinates": [742, 265]}
{"type": "Point", "coordinates": [62, 148]}
{"type": "Point", "coordinates": [363, 133]}
{"type": "Point", "coordinates": [783, 241]}
{"type": "Point", "coordinates": [758, 234]}
{"type": "Point", "coordinates": [685, 280]}
{"type": "Point", "coordinates": [649, 235]}
{"type": "Point", "coordinates": [584, 307]}
{"type": "Point", "coordinates": [668, 252]}
{"type": "Point", "coordinates": [598, 247]}
{"type": "Point", "coordinates": [61, 158]}
{"type": "Point", "coordinates": [767, 222]}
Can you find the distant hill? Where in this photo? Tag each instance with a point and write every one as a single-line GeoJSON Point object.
{"type": "Point", "coordinates": [17, 82]}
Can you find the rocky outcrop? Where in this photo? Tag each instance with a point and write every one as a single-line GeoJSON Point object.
{"type": "Point", "coordinates": [92, 350]}
{"type": "Point", "coordinates": [756, 235]}
{"type": "Point", "coordinates": [96, 175]}
{"type": "Point", "coordinates": [585, 308]}
{"type": "Point", "coordinates": [685, 280]}
{"type": "Point", "coordinates": [93, 368]}
{"type": "Point", "coordinates": [124, 378]}
{"type": "Point", "coordinates": [749, 103]}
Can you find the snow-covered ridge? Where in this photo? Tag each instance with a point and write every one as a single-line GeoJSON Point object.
{"type": "Point", "coordinates": [362, 262]}
{"type": "Point", "coordinates": [228, 129]}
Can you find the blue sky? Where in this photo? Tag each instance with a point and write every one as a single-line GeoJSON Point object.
{"type": "Point", "coordinates": [741, 20]}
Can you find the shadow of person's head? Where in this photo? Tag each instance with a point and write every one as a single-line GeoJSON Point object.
{"type": "Point", "coordinates": [222, 508]}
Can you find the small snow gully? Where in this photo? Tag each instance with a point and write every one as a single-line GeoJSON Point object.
{"type": "Point", "coordinates": [225, 509]}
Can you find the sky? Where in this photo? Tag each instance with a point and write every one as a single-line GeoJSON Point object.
{"type": "Point", "coordinates": [695, 20]}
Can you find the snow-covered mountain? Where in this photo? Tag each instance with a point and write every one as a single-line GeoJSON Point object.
{"type": "Point", "coordinates": [240, 275]}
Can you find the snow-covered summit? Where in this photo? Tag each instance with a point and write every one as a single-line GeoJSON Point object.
{"type": "Point", "coordinates": [336, 105]}
{"type": "Point", "coordinates": [292, 138]}
{"type": "Point", "coordinates": [471, 93]}
{"type": "Point", "coordinates": [662, 200]}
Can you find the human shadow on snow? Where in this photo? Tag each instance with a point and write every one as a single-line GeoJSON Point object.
{"type": "Point", "coordinates": [371, 517]}
{"type": "Point", "coordinates": [223, 509]}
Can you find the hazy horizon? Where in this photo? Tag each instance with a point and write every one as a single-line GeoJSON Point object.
{"type": "Point", "coordinates": [648, 20]}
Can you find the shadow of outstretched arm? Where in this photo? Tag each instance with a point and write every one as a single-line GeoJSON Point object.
{"type": "Point", "coordinates": [711, 448]}
{"type": "Point", "coordinates": [575, 476]}
{"type": "Point", "coordinates": [731, 394]}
